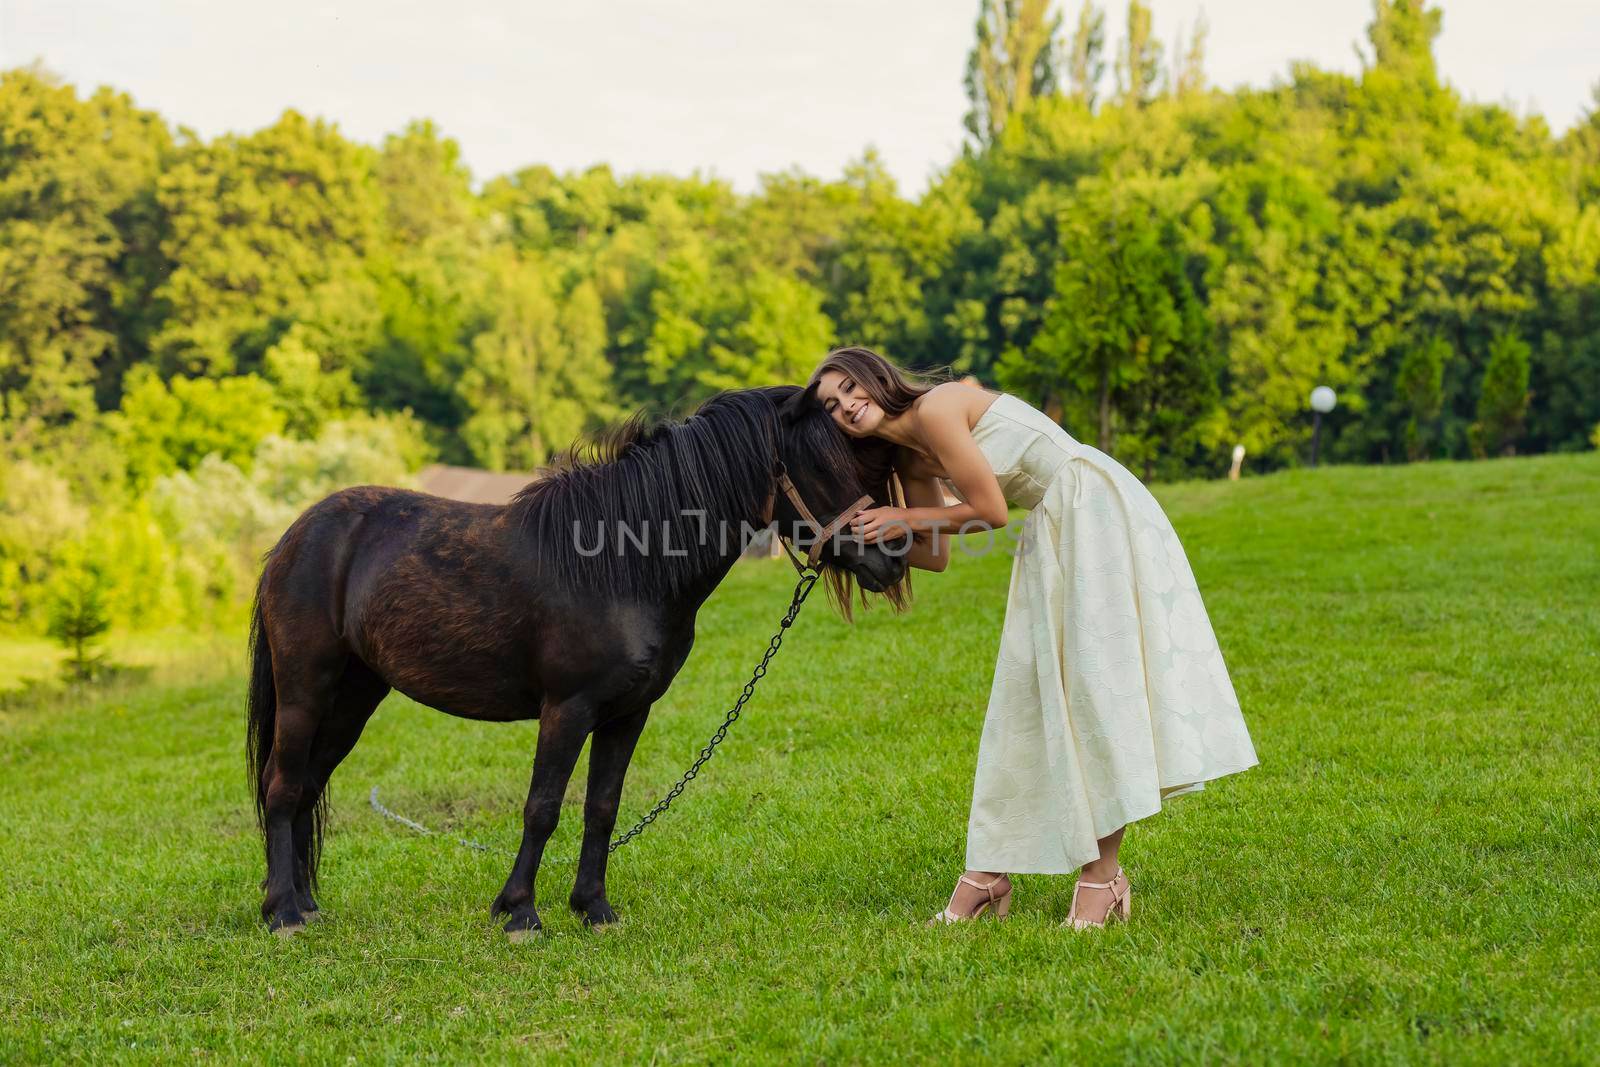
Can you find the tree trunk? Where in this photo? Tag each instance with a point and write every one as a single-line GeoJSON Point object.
{"type": "Point", "coordinates": [1052, 407]}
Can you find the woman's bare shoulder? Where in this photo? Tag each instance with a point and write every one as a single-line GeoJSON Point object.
{"type": "Point", "coordinates": [955, 400]}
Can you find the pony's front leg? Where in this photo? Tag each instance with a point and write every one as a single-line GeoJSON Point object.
{"type": "Point", "coordinates": [609, 754]}
{"type": "Point", "coordinates": [562, 729]}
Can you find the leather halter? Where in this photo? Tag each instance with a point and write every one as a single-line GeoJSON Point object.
{"type": "Point", "coordinates": [827, 532]}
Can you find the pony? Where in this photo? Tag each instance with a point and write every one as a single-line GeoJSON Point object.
{"type": "Point", "coordinates": [574, 605]}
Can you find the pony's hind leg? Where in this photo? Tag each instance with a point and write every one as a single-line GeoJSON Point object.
{"type": "Point", "coordinates": [306, 692]}
{"type": "Point", "coordinates": [361, 690]}
{"type": "Point", "coordinates": [562, 730]}
{"type": "Point", "coordinates": [609, 753]}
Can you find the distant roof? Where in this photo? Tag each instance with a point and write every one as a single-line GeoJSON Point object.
{"type": "Point", "coordinates": [470, 484]}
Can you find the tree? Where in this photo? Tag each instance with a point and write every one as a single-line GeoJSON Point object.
{"type": "Point", "coordinates": [717, 330]}
{"type": "Point", "coordinates": [167, 426]}
{"type": "Point", "coordinates": [265, 231]}
{"type": "Point", "coordinates": [1189, 64]}
{"type": "Point", "coordinates": [1402, 33]}
{"type": "Point", "coordinates": [427, 189]}
{"type": "Point", "coordinates": [37, 514]}
{"type": "Point", "coordinates": [1012, 62]}
{"type": "Point", "coordinates": [1565, 374]}
{"type": "Point", "coordinates": [1139, 58]}
{"type": "Point", "coordinates": [1421, 386]}
{"type": "Point", "coordinates": [78, 614]}
{"type": "Point", "coordinates": [1086, 55]}
{"type": "Point", "coordinates": [307, 393]}
{"type": "Point", "coordinates": [75, 231]}
{"type": "Point", "coordinates": [535, 376]}
{"type": "Point", "coordinates": [1125, 335]}
{"type": "Point", "coordinates": [1503, 398]}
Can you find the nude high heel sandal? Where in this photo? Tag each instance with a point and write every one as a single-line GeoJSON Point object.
{"type": "Point", "coordinates": [1121, 902]}
{"type": "Point", "coordinates": [1001, 902]}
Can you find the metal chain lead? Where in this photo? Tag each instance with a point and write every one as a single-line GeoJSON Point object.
{"type": "Point", "coordinates": [802, 589]}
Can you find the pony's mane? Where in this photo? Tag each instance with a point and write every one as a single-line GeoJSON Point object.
{"type": "Point", "coordinates": [652, 475]}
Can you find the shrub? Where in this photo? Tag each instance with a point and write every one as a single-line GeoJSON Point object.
{"type": "Point", "coordinates": [37, 513]}
{"type": "Point", "coordinates": [1503, 401]}
{"type": "Point", "coordinates": [78, 613]}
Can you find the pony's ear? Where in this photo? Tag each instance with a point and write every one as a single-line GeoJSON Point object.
{"type": "Point", "coordinates": [799, 402]}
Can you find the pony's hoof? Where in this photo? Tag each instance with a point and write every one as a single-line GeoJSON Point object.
{"type": "Point", "coordinates": [286, 929]}
{"type": "Point", "coordinates": [522, 929]}
{"type": "Point", "coordinates": [596, 913]}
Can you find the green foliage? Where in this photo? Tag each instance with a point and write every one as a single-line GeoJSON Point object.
{"type": "Point", "coordinates": [1402, 33]}
{"type": "Point", "coordinates": [716, 332]}
{"type": "Point", "coordinates": [1085, 54]}
{"type": "Point", "coordinates": [1125, 339]}
{"type": "Point", "coordinates": [1421, 385]}
{"type": "Point", "coordinates": [167, 426]}
{"type": "Point", "coordinates": [1169, 276]}
{"type": "Point", "coordinates": [78, 614]}
{"type": "Point", "coordinates": [307, 393]}
{"type": "Point", "coordinates": [1139, 60]}
{"type": "Point", "coordinates": [537, 376]}
{"type": "Point", "coordinates": [263, 231]}
{"type": "Point", "coordinates": [1503, 397]}
{"type": "Point", "coordinates": [1189, 71]}
{"type": "Point", "coordinates": [1013, 61]}
{"type": "Point", "coordinates": [75, 256]}
{"type": "Point", "coordinates": [37, 514]}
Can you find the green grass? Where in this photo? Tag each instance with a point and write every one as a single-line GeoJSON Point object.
{"type": "Point", "coordinates": [1409, 876]}
{"type": "Point", "coordinates": [165, 655]}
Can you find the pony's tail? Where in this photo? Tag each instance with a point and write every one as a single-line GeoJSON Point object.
{"type": "Point", "coordinates": [263, 705]}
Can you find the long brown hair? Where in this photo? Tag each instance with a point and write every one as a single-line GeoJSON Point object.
{"type": "Point", "coordinates": [893, 389]}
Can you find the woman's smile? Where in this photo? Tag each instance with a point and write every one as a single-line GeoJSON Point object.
{"type": "Point", "coordinates": [849, 406]}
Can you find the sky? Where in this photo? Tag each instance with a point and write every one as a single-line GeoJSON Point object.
{"type": "Point", "coordinates": [726, 88]}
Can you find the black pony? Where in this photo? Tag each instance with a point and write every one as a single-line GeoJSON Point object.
{"type": "Point", "coordinates": [574, 605]}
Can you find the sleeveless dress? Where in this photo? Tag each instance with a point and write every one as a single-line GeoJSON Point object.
{"type": "Point", "coordinates": [1109, 691]}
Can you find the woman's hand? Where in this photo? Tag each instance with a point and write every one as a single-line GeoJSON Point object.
{"type": "Point", "coordinates": [877, 524]}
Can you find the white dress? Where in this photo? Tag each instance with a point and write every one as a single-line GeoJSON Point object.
{"type": "Point", "coordinates": [1109, 692]}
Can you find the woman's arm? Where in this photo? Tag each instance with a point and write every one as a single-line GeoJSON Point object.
{"type": "Point", "coordinates": [930, 549]}
{"type": "Point", "coordinates": [943, 425]}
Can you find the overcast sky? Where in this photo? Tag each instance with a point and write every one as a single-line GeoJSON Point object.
{"type": "Point", "coordinates": [732, 88]}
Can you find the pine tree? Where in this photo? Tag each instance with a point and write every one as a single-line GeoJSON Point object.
{"type": "Point", "coordinates": [1012, 62]}
{"type": "Point", "coordinates": [1503, 399]}
{"type": "Point", "coordinates": [78, 615]}
{"type": "Point", "coordinates": [1420, 383]}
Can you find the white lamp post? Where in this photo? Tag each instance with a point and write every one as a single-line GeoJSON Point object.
{"type": "Point", "coordinates": [1322, 401]}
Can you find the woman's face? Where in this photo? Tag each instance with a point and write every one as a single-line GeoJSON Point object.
{"type": "Point", "coordinates": [848, 404]}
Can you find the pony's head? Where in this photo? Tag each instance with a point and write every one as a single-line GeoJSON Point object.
{"type": "Point", "coordinates": [829, 477]}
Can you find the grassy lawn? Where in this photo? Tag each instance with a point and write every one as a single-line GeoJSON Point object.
{"type": "Point", "coordinates": [163, 656]}
{"type": "Point", "coordinates": [1409, 876]}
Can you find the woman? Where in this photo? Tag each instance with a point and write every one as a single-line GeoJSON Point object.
{"type": "Point", "coordinates": [1110, 693]}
